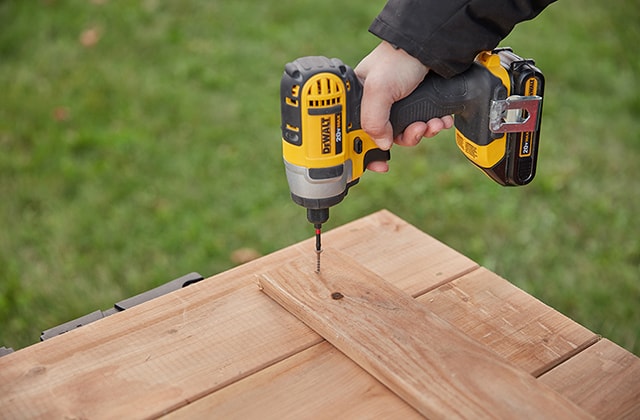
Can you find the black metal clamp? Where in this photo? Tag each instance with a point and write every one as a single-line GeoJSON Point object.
{"type": "Point", "coordinates": [176, 284]}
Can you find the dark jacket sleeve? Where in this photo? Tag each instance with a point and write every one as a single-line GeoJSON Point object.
{"type": "Point", "coordinates": [446, 35]}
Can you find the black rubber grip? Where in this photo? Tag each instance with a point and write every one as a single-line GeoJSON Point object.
{"type": "Point", "coordinates": [467, 95]}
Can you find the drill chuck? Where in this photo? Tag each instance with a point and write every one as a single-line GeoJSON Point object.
{"type": "Point", "coordinates": [318, 216]}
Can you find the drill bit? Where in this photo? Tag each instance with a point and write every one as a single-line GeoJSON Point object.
{"type": "Point", "coordinates": [318, 227]}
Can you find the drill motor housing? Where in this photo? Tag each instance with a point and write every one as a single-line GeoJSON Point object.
{"type": "Point", "coordinates": [324, 148]}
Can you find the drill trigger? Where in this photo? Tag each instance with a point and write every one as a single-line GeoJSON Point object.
{"type": "Point", "coordinates": [376, 154]}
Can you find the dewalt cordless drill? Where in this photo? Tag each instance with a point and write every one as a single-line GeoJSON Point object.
{"type": "Point", "coordinates": [496, 104]}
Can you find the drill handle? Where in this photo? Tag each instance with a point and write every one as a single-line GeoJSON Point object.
{"type": "Point", "coordinates": [467, 96]}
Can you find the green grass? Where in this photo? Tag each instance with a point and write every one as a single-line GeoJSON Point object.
{"type": "Point", "coordinates": [155, 152]}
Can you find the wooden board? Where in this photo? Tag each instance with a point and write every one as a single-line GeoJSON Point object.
{"type": "Point", "coordinates": [514, 324]}
{"type": "Point", "coordinates": [604, 379]}
{"type": "Point", "coordinates": [488, 308]}
{"type": "Point", "coordinates": [319, 382]}
{"type": "Point", "coordinates": [151, 359]}
{"type": "Point", "coordinates": [398, 252]}
{"type": "Point", "coordinates": [215, 343]}
{"type": "Point", "coordinates": [425, 360]}
{"type": "Point", "coordinates": [163, 354]}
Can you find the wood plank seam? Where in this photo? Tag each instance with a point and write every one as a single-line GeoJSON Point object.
{"type": "Point", "coordinates": [435, 286]}
{"type": "Point", "coordinates": [604, 379]}
{"type": "Point", "coordinates": [533, 335]}
{"type": "Point", "coordinates": [566, 357]}
{"type": "Point", "coordinates": [295, 388]}
{"type": "Point", "coordinates": [242, 376]}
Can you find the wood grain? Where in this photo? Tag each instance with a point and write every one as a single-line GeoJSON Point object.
{"type": "Point", "coordinates": [223, 336]}
{"type": "Point", "coordinates": [514, 324]}
{"type": "Point", "coordinates": [399, 252]}
{"type": "Point", "coordinates": [603, 379]}
{"type": "Point", "coordinates": [319, 382]}
{"type": "Point", "coordinates": [422, 358]}
{"type": "Point", "coordinates": [175, 349]}
{"type": "Point", "coordinates": [150, 359]}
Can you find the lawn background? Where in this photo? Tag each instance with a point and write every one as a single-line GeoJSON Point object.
{"type": "Point", "coordinates": [139, 141]}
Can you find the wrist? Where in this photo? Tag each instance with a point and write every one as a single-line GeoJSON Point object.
{"type": "Point", "coordinates": [403, 56]}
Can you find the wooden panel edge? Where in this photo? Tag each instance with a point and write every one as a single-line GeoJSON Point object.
{"type": "Point", "coordinates": [604, 379]}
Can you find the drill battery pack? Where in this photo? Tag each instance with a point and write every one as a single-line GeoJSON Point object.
{"type": "Point", "coordinates": [519, 125]}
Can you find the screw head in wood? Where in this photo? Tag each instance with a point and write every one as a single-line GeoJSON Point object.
{"type": "Point", "coordinates": [336, 295]}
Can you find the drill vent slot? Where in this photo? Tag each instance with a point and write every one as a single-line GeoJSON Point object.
{"type": "Point", "coordinates": [319, 103]}
{"type": "Point", "coordinates": [293, 99]}
{"type": "Point", "coordinates": [325, 92]}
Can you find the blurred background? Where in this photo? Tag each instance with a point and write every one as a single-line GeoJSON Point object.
{"type": "Point", "coordinates": [139, 141]}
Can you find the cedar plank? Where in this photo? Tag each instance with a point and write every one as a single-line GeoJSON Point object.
{"type": "Point", "coordinates": [319, 382]}
{"type": "Point", "coordinates": [179, 348]}
{"type": "Point", "coordinates": [519, 327]}
{"type": "Point", "coordinates": [399, 253]}
{"type": "Point", "coordinates": [603, 379]}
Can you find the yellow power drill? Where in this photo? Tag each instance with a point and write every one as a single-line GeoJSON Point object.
{"type": "Point", "coordinates": [497, 107]}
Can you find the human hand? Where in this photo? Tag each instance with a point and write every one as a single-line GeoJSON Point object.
{"type": "Point", "coordinates": [388, 75]}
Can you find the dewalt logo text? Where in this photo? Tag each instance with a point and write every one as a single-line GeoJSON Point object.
{"type": "Point", "coordinates": [325, 132]}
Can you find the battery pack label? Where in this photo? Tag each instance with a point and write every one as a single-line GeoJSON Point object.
{"type": "Point", "coordinates": [525, 144]}
{"type": "Point", "coordinates": [338, 133]}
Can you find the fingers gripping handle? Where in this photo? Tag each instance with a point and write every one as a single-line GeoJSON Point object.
{"type": "Point", "coordinates": [435, 97]}
{"type": "Point", "coordinates": [467, 95]}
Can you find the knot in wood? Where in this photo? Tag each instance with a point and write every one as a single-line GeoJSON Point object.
{"type": "Point", "coordinates": [336, 295]}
